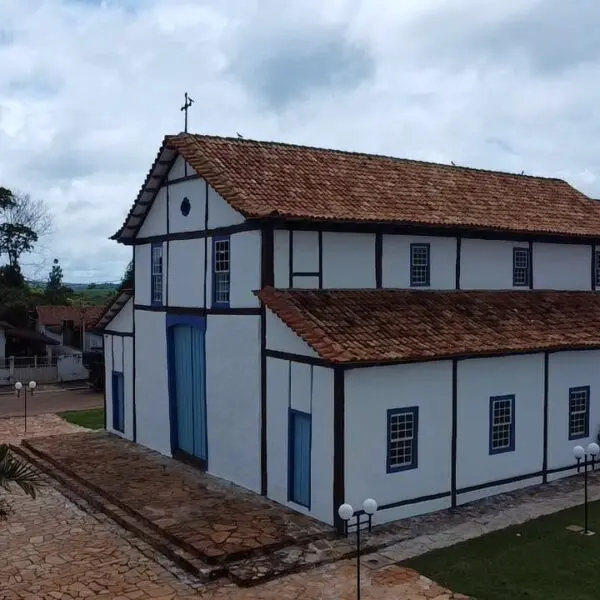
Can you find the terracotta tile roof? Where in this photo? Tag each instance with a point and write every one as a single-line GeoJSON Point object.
{"type": "Point", "coordinates": [55, 315]}
{"type": "Point", "coordinates": [356, 326]}
{"type": "Point", "coordinates": [274, 180]}
{"type": "Point", "coordinates": [113, 306]}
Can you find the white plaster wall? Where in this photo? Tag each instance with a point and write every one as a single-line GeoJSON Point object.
{"type": "Point", "coordinates": [155, 222]}
{"type": "Point", "coordinates": [281, 337]}
{"type": "Point", "coordinates": [152, 395]}
{"type": "Point", "coordinates": [395, 268]}
{"type": "Point", "coordinates": [488, 264]}
{"type": "Point", "coordinates": [118, 356]}
{"type": "Point", "coordinates": [245, 268]}
{"type": "Point", "coordinates": [567, 370]}
{"type": "Point", "coordinates": [304, 282]}
{"type": "Point", "coordinates": [308, 389]}
{"type": "Point", "coordinates": [348, 260]}
{"type": "Point", "coordinates": [369, 394]}
{"type": "Point", "coordinates": [281, 255]}
{"type": "Point", "coordinates": [233, 398]}
{"type": "Point", "coordinates": [195, 191]}
{"type": "Point", "coordinates": [305, 251]}
{"type": "Point", "coordinates": [186, 273]}
{"type": "Point", "coordinates": [142, 273]}
{"type": "Point", "coordinates": [179, 169]}
{"type": "Point", "coordinates": [123, 320]}
{"type": "Point", "coordinates": [497, 489]}
{"type": "Point", "coordinates": [478, 380]}
{"type": "Point", "coordinates": [220, 214]}
{"type": "Point", "coordinates": [562, 267]}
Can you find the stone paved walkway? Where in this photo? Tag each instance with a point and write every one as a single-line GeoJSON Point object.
{"type": "Point", "coordinates": [205, 515]}
{"type": "Point", "coordinates": [53, 550]}
{"type": "Point", "coordinates": [12, 429]}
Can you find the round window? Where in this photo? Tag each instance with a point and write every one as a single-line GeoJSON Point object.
{"type": "Point", "coordinates": [185, 207]}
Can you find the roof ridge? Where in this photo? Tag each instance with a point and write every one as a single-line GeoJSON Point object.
{"type": "Point", "coordinates": [450, 167]}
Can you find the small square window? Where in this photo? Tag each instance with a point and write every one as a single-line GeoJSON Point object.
{"type": "Point", "coordinates": [156, 274]}
{"type": "Point", "coordinates": [521, 267]}
{"type": "Point", "coordinates": [402, 443]}
{"type": "Point", "coordinates": [579, 412]}
{"type": "Point", "coordinates": [420, 266]}
{"type": "Point", "coordinates": [221, 271]}
{"type": "Point", "coordinates": [502, 424]}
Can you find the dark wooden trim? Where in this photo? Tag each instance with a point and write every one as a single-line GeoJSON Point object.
{"type": "Point", "coordinates": [320, 260]}
{"type": "Point", "coordinates": [378, 260]}
{"type": "Point", "coordinates": [118, 333]}
{"type": "Point", "coordinates": [267, 277]}
{"type": "Point", "coordinates": [167, 265]}
{"type": "Point", "coordinates": [458, 259]}
{"type": "Point", "coordinates": [414, 500]}
{"type": "Point", "coordinates": [206, 245]}
{"type": "Point", "coordinates": [430, 230]}
{"type": "Point", "coordinates": [339, 443]}
{"type": "Point", "coordinates": [562, 469]}
{"type": "Point", "coordinates": [454, 442]}
{"type": "Point", "coordinates": [498, 482]}
{"type": "Point", "coordinates": [133, 358]}
{"type": "Point", "coordinates": [291, 258]}
{"type": "Point", "coordinates": [299, 358]}
{"type": "Point", "coordinates": [170, 182]}
{"type": "Point", "coordinates": [195, 310]}
{"type": "Point", "coordinates": [104, 377]}
{"type": "Point", "coordinates": [195, 235]}
{"type": "Point", "coordinates": [306, 274]}
{"type": "Point", "coordinates": [593, 282]}
{"type": "Point", "coordinates": [545, 443]}
{"type": "Point", "coordinates": [530, 265]}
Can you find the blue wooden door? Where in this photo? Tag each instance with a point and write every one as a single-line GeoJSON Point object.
{"type": "Point", "coordinates": [187, 387]}
{"type": "Point", "coordinates": [299, 457]}
{"type": "Point", "coordinates": [118, 401]}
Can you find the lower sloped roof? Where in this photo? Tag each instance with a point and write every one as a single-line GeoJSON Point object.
{"type": "Point", "coordinates": [391, 326]}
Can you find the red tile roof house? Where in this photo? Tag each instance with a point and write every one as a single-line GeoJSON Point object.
{"type": "Point", "coordinates": [322, 327]}
{"type": "Point", "coordinates": [67, 325]}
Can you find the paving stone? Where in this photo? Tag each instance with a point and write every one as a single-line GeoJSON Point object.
{"type": "Point", "coordinates": [206, 515]}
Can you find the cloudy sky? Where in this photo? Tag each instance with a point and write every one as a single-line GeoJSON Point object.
{"type": "Point", "coordinates": [88, 88]}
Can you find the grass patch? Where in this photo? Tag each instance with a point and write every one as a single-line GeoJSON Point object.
{"type": "Point", "coordinates": [539, 560]}
{"type": "Point", "coordinates": [92, 419]}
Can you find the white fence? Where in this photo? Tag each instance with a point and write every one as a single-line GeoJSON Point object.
{"type": "Point", "coordinates": [41, 369]}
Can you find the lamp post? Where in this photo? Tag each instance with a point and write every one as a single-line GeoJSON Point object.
{"type": "Point", "coordinates": [20, 388]}
{"type": "Point", "coordinates": [580, 453]}
{"type": "Point", "coordinates": [346, 512]}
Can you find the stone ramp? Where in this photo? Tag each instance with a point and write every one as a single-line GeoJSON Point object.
{"type": "Point", "coordinates": [203, 516]}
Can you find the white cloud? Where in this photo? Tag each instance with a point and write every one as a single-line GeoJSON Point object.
{"type": "Point", "coordinates": [89, 88]}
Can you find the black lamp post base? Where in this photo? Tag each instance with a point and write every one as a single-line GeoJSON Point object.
{"type": "Point", "coordinates": [588, 532]}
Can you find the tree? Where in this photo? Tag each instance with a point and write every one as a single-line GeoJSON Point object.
{"type": "Point", "coordinates": [56, 292]}
{"type": "Point", "coordinates": [14, 471]}
{"type": "Point", "coordinates": [22, 222]}
{"type": "Point", "coordinates": [30, 213]}
{"type": "Point", "coordinates": [128, 275]}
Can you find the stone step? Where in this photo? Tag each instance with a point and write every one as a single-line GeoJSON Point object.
{"type": "Point", "coordinates": [76, 490]}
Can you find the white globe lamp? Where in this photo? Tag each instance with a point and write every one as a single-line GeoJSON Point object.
{"type": "Point", "coordinates": [346, 512]}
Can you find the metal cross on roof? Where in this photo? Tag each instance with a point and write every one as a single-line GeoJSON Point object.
{"type": "Point", "coordinates": [185, 107]}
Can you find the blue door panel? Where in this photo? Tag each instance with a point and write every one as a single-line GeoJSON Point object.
{"type": "Point", "coordinates": [299, 457]}
{"type": "Point", "coordinates": [186, 358]}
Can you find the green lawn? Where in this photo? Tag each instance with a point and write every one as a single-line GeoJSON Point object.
{"type": "Point", "coordinates": [539, 560]}
{"type": "Point", "coordinates": [92, 419]}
